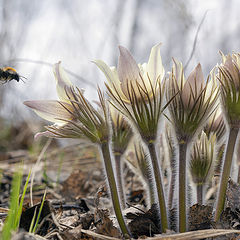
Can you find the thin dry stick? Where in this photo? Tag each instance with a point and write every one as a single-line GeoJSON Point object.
{"type": "Point", "coordinates": [195, 235]}
{"type": "Point", "coordinates": [52, 234]}
{"type": "Point", "coordinates": [4, 210]}
{"type": "Point", "coordinates": [27, 235]}
{"type": "Point", "coordinates": [56, 222]}
{"type": "Point", "coordinates": [36, 165]}
{"type": "Point", "coordinates": [195, 40]}
{"type": "Point", "coordinates": [97, 235]}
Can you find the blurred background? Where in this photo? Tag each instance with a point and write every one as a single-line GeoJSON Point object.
{"type": "Point", "coordinates": [36, 34]}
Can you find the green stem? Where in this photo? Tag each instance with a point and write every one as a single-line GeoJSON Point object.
{"type": "Point", "coordinates": [200, 194]}
{"type": "Point", "coordinates": [119, 170]}
{"type": "Point", "coordinates": [226, 172]}
{"type": "Point", "coordinates": [182, 186]}
{"type": "Point", "coordinates": [113, 187]}
{"type": "Point", "coordinates": [159, 186]}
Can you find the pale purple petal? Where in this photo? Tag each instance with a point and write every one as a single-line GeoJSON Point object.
{"type": "Point", "coordinates": [196, 78]}
{"type": "Point", "coordinates": [193, 86]}
{"type": "Point", "coordinates": [51, 110]}
{"type": "Point", "coordinates": [44, 134]}
{"type": "Point", "coordinates": [128, 70]}
{"type": "Point", "coordinates": [233, 70]}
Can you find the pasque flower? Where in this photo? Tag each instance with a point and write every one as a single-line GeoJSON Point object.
{"type": "Point", "coordinates": [121, 132]}
{"type": "Point", "coordinates": [132, 76]}
{"type": "Point", "coordinates": [137, 92]}
{"type": "Point", "coordinates": [121, 136]}
{"type": "Point", "coordinates": [229, 78]}
{"type": "Point", "coordinates": [60, 112]}
{"type": "Point", "coordinates": [203, 156]}
{"type": "Point", "coordinates": [194, 103]}
{"type": "Point", "coordinates": [216, 125]}
{"type": "Point", "coordinates": [195, 100]}
{"type": "Point", "coordinates": [75, 117]}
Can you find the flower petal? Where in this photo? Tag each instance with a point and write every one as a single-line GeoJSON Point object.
{"type": "Point", "coordinates": [44, 134]}
{"type": "Point", "coordinates": [212, 86]}
{"type": "Point", "coordinates": [155, 68]}
{"type": "Point", "coordinates": [109, 74]}
{"type": "Point", "coordinates": [63, 83]}
{"type": "Point", "coordinates": [223, 56]}
{"type": "Point", "coordinates": [195, 81]}
{"type": "Point", "coordinates": [193, 86]}
{"type": "Point", "coordinates": [52, 110]}
{"type": "Point", "coordinates": [196, 78]}
{"type": "Point", "coordinates": [233, 70]}
{"type": "Point", "coordinates": [236, 57]}
{"type": "Point", "coordinates": [112, 76]}
{"type": "Point", "coordinates": [128, 70]}
{"type": "Point", "coordinates": [177, 71]}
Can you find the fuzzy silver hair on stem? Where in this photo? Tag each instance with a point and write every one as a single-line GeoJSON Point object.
{"type": "Point", "coordinates": [229, 78]}
{"type": "Point", "coordinates": [189, 110]}
{"type": "Point", "coordinates": [75, 117]}
{"type": "Point", "coordinates": [202, 162]}
{"type": "Point", "coordinates": [137, 92]}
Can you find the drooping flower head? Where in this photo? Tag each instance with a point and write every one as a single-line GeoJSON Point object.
{"type": "Point", "coordinates": [73, 116]}
{"type": "Point", "coordinates": [78, 118]}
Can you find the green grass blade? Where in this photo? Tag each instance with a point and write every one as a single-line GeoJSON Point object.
{"type": "Point", "coordinates": [39, 212]}
{"type": "Point", "coordinates": [9, 225]}
{"type": "Point", "coordinates": [19, 213]}
{"type": "Point", "coordinates": [33, 220]}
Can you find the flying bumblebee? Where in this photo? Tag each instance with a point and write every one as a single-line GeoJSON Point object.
{"type": "Point", "coordinates": [8, 74]}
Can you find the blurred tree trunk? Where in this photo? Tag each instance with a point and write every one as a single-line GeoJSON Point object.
{"type": "Point", "coordinates": [119, 12]}
{"type": "Point", "coordinates": [15, 18]}
{"type": "Point", "coordinates": [135, 25]}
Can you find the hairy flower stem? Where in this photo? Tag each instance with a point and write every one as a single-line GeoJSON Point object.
{"type": "Point", "coordinates": [238, 179]}
{"type": "Point", "coordinates": [159, 186]}
{"type": "Point", "coordinates": [171, 190]}
{"type": "Point", "coordinates": [200, 194]}
{"type": "Point", "coordinates": [226, 172]}
{"type": "Point", "coordinates": [151, 190]}
{"type": "Point", "coordinates": [119, 170]}
{"type": "Point", "coordinates": [182, 186]}
{"type": "Point", "coordinates": [238, 161]}
{"type": "Point", "coordinates": [113, 187]}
